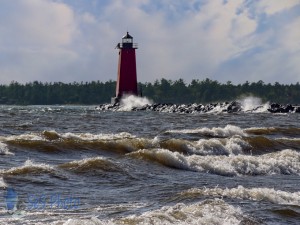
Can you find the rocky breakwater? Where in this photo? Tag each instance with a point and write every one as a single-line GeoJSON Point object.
{"type": "Point", "coordinates": [277, 108]}
{"type": "Point", "coordinates": [225, 107]}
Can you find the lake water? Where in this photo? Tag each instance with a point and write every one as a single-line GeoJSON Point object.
{"type": "Point", "coordinates": [77, 165]}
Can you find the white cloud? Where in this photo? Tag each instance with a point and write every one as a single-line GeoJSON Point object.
{"type": "Point", "coordinates": [39, 22]}
{"type": "Point", "coordinates": [51, 40]}
{"type": "Point", "coordinates": [289, 36]}
{"type": "Point", "coordinates": [37, 34]}
{"type": "Point", "coordinates": [271, 7]}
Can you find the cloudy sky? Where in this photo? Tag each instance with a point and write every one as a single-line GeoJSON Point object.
{"type": "Point", "coordinates": [74, 40]}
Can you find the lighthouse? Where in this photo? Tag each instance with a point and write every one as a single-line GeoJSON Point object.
{"type": "Point", "coordinates": [127, 79]}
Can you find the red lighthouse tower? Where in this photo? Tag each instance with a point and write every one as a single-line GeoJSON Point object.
{"type": "Point", "coordinates": [127, 79]}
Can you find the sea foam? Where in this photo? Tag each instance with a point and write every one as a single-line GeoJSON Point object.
{"type": "Point", "coordinates": [253, 104]}
{"type": "Point", "coordinates": [227, 131]}
{"type": "Point", "coordinates": [214, 211]}
{"type": "Point", "coordinates": [28, 167]}
{"type": "Point", "coordinates": [255, 194]}
{"type": "Point", "coordinates": [234, 145]}
{"type": "Point", "coordinates": [283, 162]}
{"type": "Point", "coordinates": [128, 102]}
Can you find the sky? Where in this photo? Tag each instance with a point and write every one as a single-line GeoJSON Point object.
{"type": "Point", "coordinates": [223, 40]}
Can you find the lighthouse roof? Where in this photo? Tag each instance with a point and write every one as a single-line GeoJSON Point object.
{"type": "Point", "coordinates": [127, 35]}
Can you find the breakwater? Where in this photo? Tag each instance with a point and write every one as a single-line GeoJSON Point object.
{"type": "Point", "coordinates": [225, 107]}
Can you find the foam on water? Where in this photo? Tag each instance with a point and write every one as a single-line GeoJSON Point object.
{"type": "Point", "coordinates": [2, 183]}
{"type": "Point", "coordinates": [93, 137]}
{"type": "Point", "coordinates": [234, 145]}
{"type": "Point", "coordinates": [22, 137]}
{"type": "Point", "coordinates": [28, 167]}
{"type": "Point", "coordinates": [165, 157]}
{"type": "Point", "coordinates": [54, 141]}
{"type": "Point", "coordinates": [53, 135]}
{"type": "Point", "coordinates": [227, 131]}
{"type": "Point", "coordinates": [91, 221]}
{"type": "Point", "coordinates": [255, 194]}
{"type": "Point", "coordinates": [88, 164]}
{"type": "Point", "coordinates": [214, 211]}
{"type": "Point", "coordinates": [128, 102]}
{"type": "Point", "coordinates": [283, 162]}
{"type": "Point", "coordinates": [4, 149]}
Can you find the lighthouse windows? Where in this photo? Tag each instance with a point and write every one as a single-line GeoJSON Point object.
{"type": "Point", "coordinates": [127, 40]}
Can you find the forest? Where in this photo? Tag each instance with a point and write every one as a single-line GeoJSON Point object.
{"type": "Point", "coordinates": [160, 91]}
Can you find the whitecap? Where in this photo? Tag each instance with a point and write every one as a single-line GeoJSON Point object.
{"type": "Point", "coordinates": [283, 162]}
{"type": "Point", "coordinates": [215, 211]}
{"type": "Point", "coordinates": [28, 167]}
{"type": "Point", "coordinates": [255, 194]}
{"type": "Point", "coordinates": [227, 131]}
{"type": "Point", "coordinates": [4, 149]}
{"type": "Point", "coordinates": [234, 145]}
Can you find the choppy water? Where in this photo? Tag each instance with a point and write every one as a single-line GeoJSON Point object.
{"type": "Point", "coordinates": [78, 165]}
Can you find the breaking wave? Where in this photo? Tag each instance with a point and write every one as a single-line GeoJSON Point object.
{"type": "Point", "coordinates": [2, 183]}
{"type": "Point", "coordinates": [215, 211]}
{"type": "Point", "coordinates": [290, 131]}
{"type": "Point", "coordinates": [254, 194]}
{"type": "Point", "coordinates": [4, 149]}
{"type": "Point", "coordinates": [283, 162]}
{"type": "Point", "coordinates": [234, 145]}
{"type": "Point", "coordinates": [52, 141]}
{"type": "Point", "coordinates": [91, 164]}
{"type": "Point", "coordinates": [227, 131]}
{"type": "Point", "coordinates": [227, 151]}
{"type": "Point", "coordinates": [88, 165]}
{"type": "Point", "coordinates": [29, 167]}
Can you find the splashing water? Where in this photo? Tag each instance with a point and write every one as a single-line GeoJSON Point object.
{"type": "Point", "coordinates": [128, 102]}
{"type": "Point", "coordinates": [253, 104]}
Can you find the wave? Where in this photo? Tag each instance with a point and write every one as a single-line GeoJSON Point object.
{"type": "Point", "coordinates": [227, 131]}
{"type": "Point", "coordinates": [4, 149]}
{"type": "Point", "coordinates": [261, 144]}
{"type": "Point", "coordinates": [52, 141]}
{"type": "Point", "coordinates": [215, 211]}
{"type": "Point", "coordinates": [283, 162]}
{"type": "Point", "coordinates": [214, 146]}
{"type": "Point", "coordinates": [2, 183]}
{"type": "Point", "coordinates": [234, 145]}
{"type": "Point", "coordinates": [254, 194]}
{"type": "Point", "coordinates": [87, 165]}
{"type": "Point", "coordinates": [287, 212]}
{"type": "Point", "coordinates": [91, 164]}
{"type": "Point", "coordinates": [222, 141]}
{"type": "Point", "coordinates": [29, 167]}
{"type": "Point", "coordinates": [290, 131]}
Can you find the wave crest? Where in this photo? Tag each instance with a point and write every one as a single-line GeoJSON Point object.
{"type": "Point", "coordinates": [91, 164]}
{"type": "Point", "coordinates": [283, 162]}
{"type": "Point", "coordinates": [255, 194]}
{"type": "Point", "coordinates": [227, 131]}
{"type": "Point", "coordinates": [29, 167]}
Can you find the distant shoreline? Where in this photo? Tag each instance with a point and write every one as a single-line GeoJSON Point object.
{"type": "Point", "coordinates": [177, 92]}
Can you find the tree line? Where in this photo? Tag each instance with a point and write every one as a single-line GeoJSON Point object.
{"type": "Point", "coordinates": [162, 91]}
